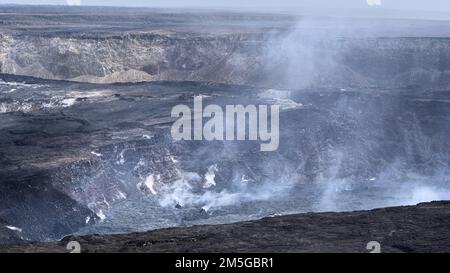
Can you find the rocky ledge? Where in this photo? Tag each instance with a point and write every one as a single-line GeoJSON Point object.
{"type": "Point", "coordinates": [421, 228]}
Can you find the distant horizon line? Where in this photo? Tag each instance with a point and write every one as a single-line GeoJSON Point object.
{"type": "Point", "coordinates": [376, 11]}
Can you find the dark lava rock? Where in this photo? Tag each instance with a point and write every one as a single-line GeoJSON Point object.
{"type": "Point", "coordinates": [64, 163]}
{"type": "Point", "coordinates": [8, 236]}
{"type": "Point", "coordinates": [421, 228]}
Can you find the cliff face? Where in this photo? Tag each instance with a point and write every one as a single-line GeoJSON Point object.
{"type": "Point", "coordinates": [252, 59]}
{"type": "Point", "coordinates": [128, 58]}
{"type": "Point", "coordinates": [234, 48]}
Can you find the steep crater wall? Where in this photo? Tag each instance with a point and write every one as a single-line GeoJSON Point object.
{"type": "Point", "coordinates": [285, 60]}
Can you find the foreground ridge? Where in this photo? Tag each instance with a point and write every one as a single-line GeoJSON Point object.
{"type": "Point", "coordinates": [397, 229]}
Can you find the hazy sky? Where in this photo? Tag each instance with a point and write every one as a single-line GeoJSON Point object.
{"type": "Point", "coordinates": [426, 5]}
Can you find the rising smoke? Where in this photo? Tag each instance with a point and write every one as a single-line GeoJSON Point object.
{"type": "Point", "coordinates": [354, 174]}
